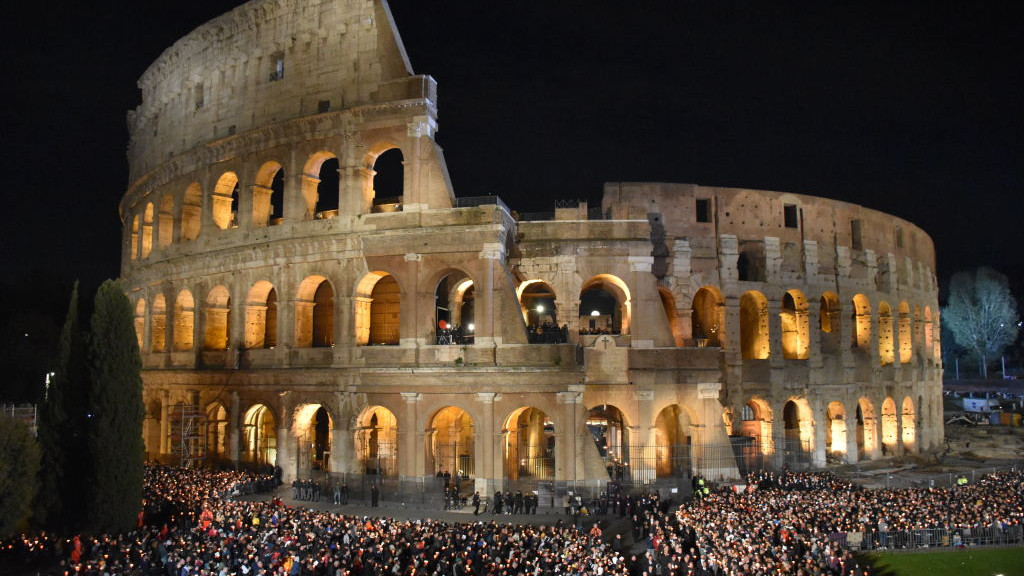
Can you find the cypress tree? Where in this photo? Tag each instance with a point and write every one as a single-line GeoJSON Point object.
{"type": "Point", "coordinates": [115, 414]}
{"type": "Point", "coordinates": [19, 464]}
{"type": "Point", "coordinates": [61, 429]}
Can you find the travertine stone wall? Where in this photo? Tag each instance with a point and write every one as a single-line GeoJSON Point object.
{"type": "Point", "coordinates": [644, 338]}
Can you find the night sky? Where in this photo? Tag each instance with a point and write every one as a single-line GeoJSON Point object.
{"type": "Point", "coordinates": [911, 108]}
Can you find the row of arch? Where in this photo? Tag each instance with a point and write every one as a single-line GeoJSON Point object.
{"type": "Point", "coordinates": [604, 305]}
{"type": "Point", "coordinates": [871, 432]}
{"type": "Point", "coordinates": [171, 325]}
{"type": "Point", "coordinates": [898, 335]}
{"type": "Point", "coordinates": [528, 439]}
{"type": "Point", "coordinates": [179, 217]}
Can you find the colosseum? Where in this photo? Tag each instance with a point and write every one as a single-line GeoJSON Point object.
{"type": "Point", "coordinates": [295, 309]}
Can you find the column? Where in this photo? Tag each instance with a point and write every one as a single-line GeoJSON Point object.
{"type": "Point", "coordinates": [568, 456]}
{"type": "Point", "coordinates": [165, 422]}
{"type": "Point", "coordinates": [489, 471]}
{"type": "Point", "coordinates": [642, 455]}
{"type": "Point", "coordinates": [234, 428]}
{"type": "Point", "coordinates": [343, 458]}
{"type": "Point", "coordinates": [286, 452]}
{"type": "Point", "coordinates": [819, 421]}
{"type": "Point", "coordinates": [486, 296]}
{"type": "Point", "coordinates": [411, 460]}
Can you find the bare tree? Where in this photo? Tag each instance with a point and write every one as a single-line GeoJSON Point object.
{"type": "Point", "coordinates": [981, 313]}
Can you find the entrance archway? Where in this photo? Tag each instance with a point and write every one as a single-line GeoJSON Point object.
{"type": "Point", "coordinates": [672, 443]}
{"type": "Point", "coordinates": [835, 430]}
{"type": "Point", "coordinates": [607, 426]}
{"type": "Point", "coordinates": [866, 434]}
{"type": "Point", "coordinates": [529, 446]}
{"type": "Point", "coordinates": [216, 433]}
{"type": "Point", "coordinates": [259, 429]}
{"type": "Point", "coordinates": [312, 428]}
{"type": "Point", "coordinates": [376, 439]}
{"type": "Point", "coordinates": [452, 442]}
{"type": "Point", "coordinates": [798, 430]}
{"type": "Point", "coordinates": [890, 428]}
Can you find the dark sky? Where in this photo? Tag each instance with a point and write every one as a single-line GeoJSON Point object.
{"type": "Point", "coordinates": [913, 108]}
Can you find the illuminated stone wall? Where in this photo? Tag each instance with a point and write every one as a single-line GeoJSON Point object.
{"type": "Point", "coordinates": [679, 314]}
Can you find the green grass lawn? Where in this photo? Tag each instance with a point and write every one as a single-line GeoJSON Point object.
{"type": "Point", "coordinates": [966, 562]}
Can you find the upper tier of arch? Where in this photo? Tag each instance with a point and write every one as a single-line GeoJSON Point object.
{"type": "Point", "coordinates": [266, 62]}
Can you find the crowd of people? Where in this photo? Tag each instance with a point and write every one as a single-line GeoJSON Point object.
{"type": "Point", "coordinates": [548, 333]}
{"type": "Point", "coordinates": [193, 525]}
{"type": "Point", "coordinates": [802, 523]}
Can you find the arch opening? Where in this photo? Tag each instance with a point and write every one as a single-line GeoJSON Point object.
{"type": "Point", "coordinates": [218, 319]}
{"type": "Point", "coordinates": [835, 430]}
{"type": "Point", "coordinates": [828, 322]}
{"type": "Point", "coordinates": [216, 433]}
{"type": "Point", "coordinates": [905, 331]}
{"type": "Point", "coordinates": [376, 440]}
{"type": "Point", "coordinates": [158, 325]}
{"type": "Point", "coordinates": [890, 428]}
{"type": "Point", "coordinates": [528, 448]}
{"type": "Point", "coordinates": [184, 322]}
{"type": "Point", "coordinates": [860, 336]}
{"type": "Point", "coordinates": [453, 309]}
{"type": "Point", "coordinates": [313, 428]}
{"type": "Point", "coordinates": [259, 429]}
{"type": "Point", "coordinates": [798, 432]}
{"type": "Point", "coordinates": [314, 313]}
{"type": "Point", "coordinates": [261, 316]}
{"type": "Point", "coordinates": [139, 322]}
{"type": "Point", "coordinates": [388, 181]}
{"type": "Point", "coordinates": [452, 443]}
{"type": "Point", "coordinates": [378, 310]}
{"type": "Point", "coordinates": [604, 306]}
{"type": "Point", "coordinates": [754, 342]}
{"type": "Point", "coordinates": [707, 317]}
{"type": "Point", "coordinates": [795, 326]}
{"type": "Point", "coordinates": [866, 429]}
{"type": "Point", "coordinates": [886, 349]}
{"type": "Point", "coordinates": [672, 440]}
{"type": "Point", "coordinates": [607, 426]}
{"type": "Point", "coordinates": [224, 201]}
{"type": "Point", "coordinates": [147, 230]}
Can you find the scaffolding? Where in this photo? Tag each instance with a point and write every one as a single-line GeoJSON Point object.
{"type": "Point", "coordinates": [188, 434]}
{"type": "Point", "coordinates": [23, 412]}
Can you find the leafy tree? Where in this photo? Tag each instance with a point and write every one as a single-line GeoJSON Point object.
{"type": "Point", "coordinates": [115, 443]}
{"type": "Point", "coordinates": [62, 432]}
{"type": "Point", "coordinates": [19, 464]}
{"type": "Point", "coordinates": [981, 314]}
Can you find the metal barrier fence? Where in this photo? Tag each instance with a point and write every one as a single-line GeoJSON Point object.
{"type": "Point", "coordinates": [930, 538]}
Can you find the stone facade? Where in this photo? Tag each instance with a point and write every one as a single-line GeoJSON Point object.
{"type": "Point", "coordinates": [675, 329]}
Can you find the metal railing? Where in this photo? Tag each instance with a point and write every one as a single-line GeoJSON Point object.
{"type": "Point", "coordinates": [931, 538]}
{"type": "Point", "coordinates": [474, 201]}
